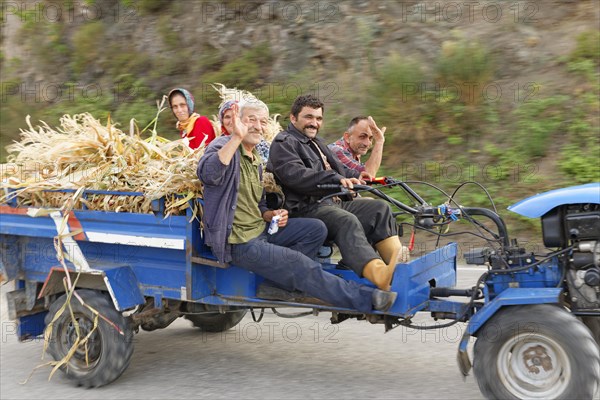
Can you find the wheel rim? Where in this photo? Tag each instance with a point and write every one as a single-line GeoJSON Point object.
{"type": "Point", "coordinates": [93, 347]}
{"type": "Point", "coordinates": [534, 366]}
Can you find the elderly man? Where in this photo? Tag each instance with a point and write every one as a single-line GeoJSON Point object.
{"type": "Point", "coordinates": [362, 134]}
{"type": "Point", "coordinates": [235, 221]}
{"type": "Point", "coordinates": [301, 162]}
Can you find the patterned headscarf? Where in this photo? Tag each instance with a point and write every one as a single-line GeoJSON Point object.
{"type": "Point", "coordinates": [188, 125]}
{"type": "Point", "coordinates": [226, 106]}
{"type": "Point", "coordinates": [189, 99]}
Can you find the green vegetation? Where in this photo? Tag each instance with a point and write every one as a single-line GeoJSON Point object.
{"type": "Point", "coordinates": [396, 97]}
{"type": "Point", "coordinates": [588, 47]}
{"type": "Point", "coordinates": [88, 45]}
{"type": "Point", "coordinates": [465, 63]}
{"type": "Point", "coordinates": [537, 121]}
{"type": "Point", "coordinates": [580, 157]}
{"type": "Point", "coordinates": [246, 71]}
{"type": "Point", "coordinates": [151, 6]}
{"type": "Point", "coordinates": [440, 128]}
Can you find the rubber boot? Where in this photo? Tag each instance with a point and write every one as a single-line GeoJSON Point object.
{"type": "Point", "coordinates": [379, 273]}
{"type": "Point", "coordinates": [389, 249]}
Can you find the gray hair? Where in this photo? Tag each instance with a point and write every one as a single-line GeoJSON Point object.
{"type": "Point", "coordinates": [252, 104]}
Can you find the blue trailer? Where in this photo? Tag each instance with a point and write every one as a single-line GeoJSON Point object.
{"type": "Point", "coordinates": [135, 271]}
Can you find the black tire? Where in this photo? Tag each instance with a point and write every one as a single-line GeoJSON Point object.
{"type": "Point", "coordinates": [593, 324]}
{"type": "Point", "coordinates": [108, 351]}
{"type": "Point", "coordinates": [217, 322]}
{"type": "Point", "coordinates": [538, 352]}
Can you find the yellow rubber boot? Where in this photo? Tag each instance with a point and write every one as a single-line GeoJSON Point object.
{"type": "Point", "coordinates": [379, 273]}
{"type": "Point", "coordinates": [390, 249]}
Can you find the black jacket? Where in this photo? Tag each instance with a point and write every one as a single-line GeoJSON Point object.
{"type": "Point", "coordinates": [299, 168]}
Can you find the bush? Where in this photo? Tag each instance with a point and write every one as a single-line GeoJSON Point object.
{"type": "Point", "coordinates": [588, 47]}
{"type": "Point", "coordinates": [537, 121]}
{"type": "Point", "coordinates": [580, 157]}
{"type": "Point", "coordinates": [244, 71]}
{"type": "Point", "coordinates": [88, 43]}
{"type": "Point", "coordinates": [581, 164]}
{"type": "Point", "coordinates": [465, 63]}
{"type": "Point", "coordinates": [395, 97]}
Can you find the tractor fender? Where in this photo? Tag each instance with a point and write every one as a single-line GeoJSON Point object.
{"type": "Point", "coordinates": [512, 297]}
{"type": "Point", "coordinates": [119, 281]}
{"type": "Point", "coordinates": [508, 297]}
{"type": "Point", "coordinates": [540, 204]}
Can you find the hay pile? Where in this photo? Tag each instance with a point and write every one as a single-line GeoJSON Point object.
{"type": "Point", "coordinates": [84, 153]}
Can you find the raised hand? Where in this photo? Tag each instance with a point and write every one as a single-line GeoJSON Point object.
{"type": "Point", "coordinates": [378, 133]}
{"type": "Point", "coordinates": [238, 128]}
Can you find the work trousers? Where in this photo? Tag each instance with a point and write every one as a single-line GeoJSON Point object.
{"type": "Point", "coordinates": [287, 258]}
{"type": "Point", "coordinates": [355, 227]}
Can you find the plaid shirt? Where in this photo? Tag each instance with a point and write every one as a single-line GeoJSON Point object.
{"type": "Point", "coordinates": [343, 152]}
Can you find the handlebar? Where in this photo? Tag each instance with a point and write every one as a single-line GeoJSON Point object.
{"type": "Point", "coordinates": [422, 212]}
{"type": "Point", "coordinates": [332, 186]}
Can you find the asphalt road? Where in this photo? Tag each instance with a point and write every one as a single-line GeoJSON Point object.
{"type": "Point", "coordinates": [273, 359]}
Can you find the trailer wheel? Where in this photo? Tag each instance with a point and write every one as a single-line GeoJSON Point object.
{"type": "Point", "coordinates": [217, 322]}
{"type": "Point", "coordinates": [107, 353]}
{"type": "Point", "coordinates": [593, 324]}
{"type": "Point", "coordinates": [536, 352]}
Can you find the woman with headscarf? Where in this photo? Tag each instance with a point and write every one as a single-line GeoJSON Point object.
{"type": "Point", "coordinates": [225, 116]}
{"type": "Point", "coordinates": [195, 127]}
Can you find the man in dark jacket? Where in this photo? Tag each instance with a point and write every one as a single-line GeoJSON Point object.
{"type": "Point", "coordinates": [235, 221]}
{"type": "Point", "coordinates": [301, 162]}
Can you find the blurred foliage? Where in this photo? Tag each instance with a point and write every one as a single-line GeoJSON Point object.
{"type": "Point", "coordinates": [448, 104]}
{"type": "Point", "coordinates": [588, 47]}
{"type": "Point", "coordinates": [440, 128]}
{"type": "Point", "coordinates": [396, 96]}
{"type": "Point", "coordinates": [580, 157]}
{"type": "Point", "coordinates": [151, 6]}
{"type": "Point", "coordinates": [88, 45]}
{"type": "Point", "coordinates": [247, 71]}
{"type": "Point", "coordinates": [537, 121]}
{"type": "Point", "coordinates": [465, 63]}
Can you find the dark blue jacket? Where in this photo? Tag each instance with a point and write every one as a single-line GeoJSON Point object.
{"type": "Point", "coordinates": [299, 169]}
{"type": "Point", "coordinates": [220, 197]}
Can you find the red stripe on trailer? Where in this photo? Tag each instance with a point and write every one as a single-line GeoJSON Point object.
{"type": "Point", "coordinates": [13, 210]}
{"type": "Point", "coordinates": [74, 225]}
{"type": "Point", "coordinates": [73, 221]}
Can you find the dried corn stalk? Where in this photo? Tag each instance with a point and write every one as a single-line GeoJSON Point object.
{"type": "Point", "coordinates": [83, 152]}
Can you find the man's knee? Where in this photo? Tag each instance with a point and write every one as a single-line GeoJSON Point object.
{"type": "Point", "coordinates": [316, 229]}
{"type": "Point", "coordinates": [379, 207]}
{"type": "Point", "coordinates": [343, 220]}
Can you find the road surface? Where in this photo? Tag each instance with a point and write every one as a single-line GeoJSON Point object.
{"type": "Point", "coordinates": [273, 359]}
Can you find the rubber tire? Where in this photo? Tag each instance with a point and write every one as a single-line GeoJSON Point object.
{"type": "Point", "coordinates": [593, 324]}
{"type": "Point", "coordinates": [217, 322]}
{"type": "Point", "coordinates": [550, 321]}
{"type": "Point", "coordinates": [115, 350]}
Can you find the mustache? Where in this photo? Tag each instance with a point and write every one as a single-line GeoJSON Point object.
{"type": "Point", "coordinates": [310, 127]}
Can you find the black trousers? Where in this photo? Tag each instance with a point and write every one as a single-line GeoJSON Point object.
{"type": "Point", "coordinates": [355, 227]}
